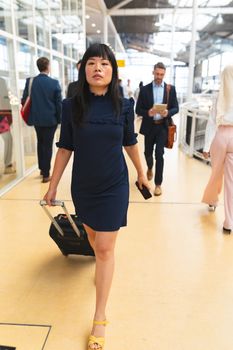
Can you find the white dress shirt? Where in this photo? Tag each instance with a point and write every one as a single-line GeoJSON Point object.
{"type": "Point", "coordinates": [158, 93]}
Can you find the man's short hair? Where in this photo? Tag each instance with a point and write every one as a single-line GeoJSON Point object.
{"type": "Point", "coordinates": [160, 65]}
{"type": "Point", "coordinates": [42, 64]}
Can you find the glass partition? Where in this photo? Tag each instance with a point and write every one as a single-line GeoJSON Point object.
{"type": "Point", "coordinates": [27, 68]}
{"type": "Point", "coordinates": [56, 70]}
{"type": "Point", "coordinates": [67, 73]}
{"type": "Point", "coordinates": [5, 16]}
{"type": "Point", "coordinates": [8, 171]}
{"type": "Point", "coordinates": [30, 29]}
{"type": "Point", "coordinates": [24, 20]}
{"type": "Point", "coordinates": [42, 23]}
{"type": "Point", "coordinates": [56, 25]}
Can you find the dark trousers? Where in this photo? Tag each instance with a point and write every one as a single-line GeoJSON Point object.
{"type": "Point", "coordinates": [45, 136]}
{"type": "Point", "coordinates": [158, 138]}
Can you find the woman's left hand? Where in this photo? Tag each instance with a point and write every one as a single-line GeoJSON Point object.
{"type": "Point", "coordinates": [143, 181]}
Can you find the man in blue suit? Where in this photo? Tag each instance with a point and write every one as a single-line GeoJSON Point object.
{"type": "Point", "coordinates": [45, 113]}
{"type": "Point", "coordinates": [155, 121]}
{"type": "Point", "coordinates": [72, 87]}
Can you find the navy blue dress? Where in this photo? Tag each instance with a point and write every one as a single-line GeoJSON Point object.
{"type": "Point", "coordinates": [100, 186]}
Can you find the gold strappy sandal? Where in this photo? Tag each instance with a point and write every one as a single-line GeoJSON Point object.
{"type": "Point", "coordinates": [99, 341]}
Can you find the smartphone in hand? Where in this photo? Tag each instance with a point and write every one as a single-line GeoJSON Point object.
{"type": "Point", "coordinates": [144, 191]}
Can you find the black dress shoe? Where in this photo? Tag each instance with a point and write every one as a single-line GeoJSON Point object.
{"type": "Point", "coordinates": [226, 230]}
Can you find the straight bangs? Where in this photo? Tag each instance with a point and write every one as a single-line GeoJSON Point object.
{"type": "Point", "coordinates": [97, 50]}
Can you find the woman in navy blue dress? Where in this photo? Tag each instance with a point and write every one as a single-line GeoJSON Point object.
{"type": "Point", "coordinates": [96, 124]}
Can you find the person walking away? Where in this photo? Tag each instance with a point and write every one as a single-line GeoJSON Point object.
{"type": "Point", "coordinates": [71, 90]}
{"type": "Point", "coordinates": [45, 113]}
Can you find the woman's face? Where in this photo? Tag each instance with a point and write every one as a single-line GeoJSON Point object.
{"type": "Point", "coordinates": [98, 72]}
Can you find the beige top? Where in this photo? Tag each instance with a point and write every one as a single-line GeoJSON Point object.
{"type": "Point", "coordinates": [214, 122]}
{"type": "Point", "coordinates": [222, 109]}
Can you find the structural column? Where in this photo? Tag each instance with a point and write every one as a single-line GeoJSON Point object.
{"type": "Point", "coordinates": [105, 28]}
{"type": "Point", "coordinates": [192, 51]}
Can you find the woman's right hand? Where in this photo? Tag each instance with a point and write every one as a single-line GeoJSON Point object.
{"type": "Point", "coordinates": [50, 196]}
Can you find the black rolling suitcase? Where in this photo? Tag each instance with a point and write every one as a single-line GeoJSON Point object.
{"type": "Point", "coordinates": [68, 232]}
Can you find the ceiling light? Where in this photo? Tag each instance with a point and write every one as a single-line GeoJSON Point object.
{"type": "Point", "coordinates": [98, 31]}
{"type": "Point", "coordinates": [88, 16]}
{"type": "Point", "coordinates": [93, 25]}
{"type": "Point", "coordinates": [219, 19]}
{"type": "Point", "coordinates": [159, 22]}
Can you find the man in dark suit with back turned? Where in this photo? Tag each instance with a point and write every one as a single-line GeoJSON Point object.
{"type": "Point", "coordinates": [72, 87]}
{"type": "Point", "coordinates": [45, 113]}
{"type": "Point", "coordinates": [154, 123]}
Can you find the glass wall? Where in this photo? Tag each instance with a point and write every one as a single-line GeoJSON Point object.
{"type": "Point", "coordinates": [26, 59]}
{"type": "Point", "coordinates": [211, 70]}
{"type": "Point", "coordinates": [32, 29]}
{"type": "Point", "coordinates": [23, 13]}
{"type": "Point", "coordinates": [42, 23]}
{"type": "Point", "coordinates": [7, 83]}
{"type": "Point", "coordinates": [5, 16]}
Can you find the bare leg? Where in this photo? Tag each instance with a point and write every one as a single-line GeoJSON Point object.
{"type": "Point", "coordinates": [103, 245]}
{"type": "Point", "coordinates": [91, 235]}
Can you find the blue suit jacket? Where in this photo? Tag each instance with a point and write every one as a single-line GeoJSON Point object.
{"type": "Point", "coordinates": [45, 101]}
{"type": "Point", "coordinates": [145, 102]}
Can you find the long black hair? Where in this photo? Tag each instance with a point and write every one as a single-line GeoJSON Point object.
{"type": "Point", "coordinates": [81, 99]}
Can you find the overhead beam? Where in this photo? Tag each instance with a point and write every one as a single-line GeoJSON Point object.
{"type": "Point", "coordinates": [92, 9]}
{"type": "Point", "coordinates": [166, 11]}
{"type": "Point", "coordinates": [121, 4]}
{"type": "Point", "coordinates": [110, 21]}
{"type": "Point", "coordinates": [103, 11]}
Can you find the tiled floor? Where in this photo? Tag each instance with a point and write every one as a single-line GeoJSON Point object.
{"type": "Point", "coordinates": [173, 284]}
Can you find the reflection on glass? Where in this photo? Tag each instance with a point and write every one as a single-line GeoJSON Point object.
{"type": "Point", "coordinates": [6, 140]}
{"type": "Point", "coordinates": [26, 63]}
{"type": "Point", "coordinates": [42, 53]}
{"type": "Point", "coordinates": [55, 22]}
{"type": "Point", "coordinates": [67, 73]}
{"type": "Point", "coordinates": [24, 19]}
{"type": "Point", "coordinates": [5, 17]}
{"type": "Point", "coordinates": [42, 22]}
{"type": "Point", "coordinates": [7, 82]}
{"type": "Point", "coordinates": [26, 66]}
{"type": "Point", "coordinates": [56, 67]}
{"type": "Point", "coordinates": [72, 27]}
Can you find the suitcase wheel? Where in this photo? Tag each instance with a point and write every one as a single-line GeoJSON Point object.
{"type": "Point", "coordinates": [64, 253]}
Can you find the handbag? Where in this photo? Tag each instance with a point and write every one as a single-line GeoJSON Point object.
{"type": "Point", "coordinates": [171, 129]}
{"type": "Point", "coordinates": [25, 110]}
{"type": "Point", "coordinates": [171, 135]}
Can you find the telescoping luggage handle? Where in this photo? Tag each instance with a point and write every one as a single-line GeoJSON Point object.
{"type": "Point", "coordinates": [58, 227]}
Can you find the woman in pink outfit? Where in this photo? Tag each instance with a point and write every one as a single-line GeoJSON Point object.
{"type": "Point", "coordinates": [220, 126]}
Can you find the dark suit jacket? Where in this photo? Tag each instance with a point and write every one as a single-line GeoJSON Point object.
{"type": "Point", "coordinates": [145, 102]}
{"type": "Point", "coordinates": [72, 89]}
{"type": "Point", "coordinates": [45, 101]}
